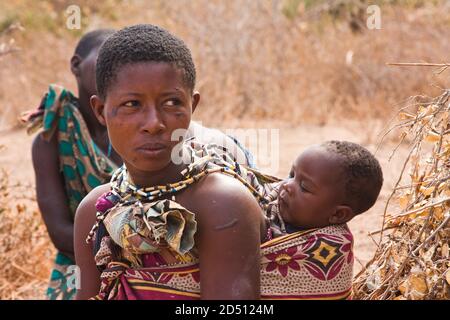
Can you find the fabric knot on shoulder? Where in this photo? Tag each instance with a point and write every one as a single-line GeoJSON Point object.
{"type": "Point", "coordinates": [106, 202]}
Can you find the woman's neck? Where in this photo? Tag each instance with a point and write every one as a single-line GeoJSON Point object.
{"type": "Point", "coordinates": [169, 174]}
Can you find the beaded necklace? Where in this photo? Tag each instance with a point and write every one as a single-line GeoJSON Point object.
{"type": "Point", "coordinates": [205, 156]}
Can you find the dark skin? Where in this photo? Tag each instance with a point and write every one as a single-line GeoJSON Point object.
{"type": "Point", "coordinates": [143, 106]}
{"type": "Point", "coordinates": [313, 196]}
{"type": "Point", "coordinates": [50, 189]}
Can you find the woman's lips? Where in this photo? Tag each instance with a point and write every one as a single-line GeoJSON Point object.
{"type": "Point", "coordinates": [152, 149]}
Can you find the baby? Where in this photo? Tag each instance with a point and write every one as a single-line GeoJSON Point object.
{"type": "Point", "coordinates": [329, 184]}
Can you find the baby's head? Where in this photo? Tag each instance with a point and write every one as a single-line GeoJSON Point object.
{"type": "Point", "coordinates": [330, 184]}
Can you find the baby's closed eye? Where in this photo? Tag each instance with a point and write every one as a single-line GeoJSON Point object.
{"type": "Point", "coordinates": [303, 187]}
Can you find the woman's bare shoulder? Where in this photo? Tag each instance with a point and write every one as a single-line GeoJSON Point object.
{"type": "Point", "coordinates": [86, 209]}
{"type": "Point", "coordinates": [219, 199]}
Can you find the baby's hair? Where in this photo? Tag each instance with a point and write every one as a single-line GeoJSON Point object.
{"type": "Point", "coordinates": [362, 173]}
{"type": "Point", "coordinates": [142, 43]}
{"type": "Point", "coordinates": [92, 40]}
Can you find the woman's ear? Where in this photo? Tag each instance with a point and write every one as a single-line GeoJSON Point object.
{"type": "Point", "coordinates": [75, 62]}
{"type": "Point", "coordinates": [195, 100]}
{"type": "Point", "coordinates": [341, 215]}
{"type": "Point", "coordinates": [98, 106]}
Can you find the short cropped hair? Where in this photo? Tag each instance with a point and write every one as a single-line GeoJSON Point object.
{"type": "Point", "coordinates": [362, 174]}
{"type": "Point", "coordinates": [142, 43]}
{"type": "Point", "coordinates": [92, 40]}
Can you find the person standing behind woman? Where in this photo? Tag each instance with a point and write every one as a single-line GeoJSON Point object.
{"type": "Point", "coordinates": [71, 156]}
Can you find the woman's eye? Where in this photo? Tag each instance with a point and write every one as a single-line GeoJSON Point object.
{"type": "Point", "coordinates": [172, 103]}
{"type": "Point", "coordinates": [131, 104]}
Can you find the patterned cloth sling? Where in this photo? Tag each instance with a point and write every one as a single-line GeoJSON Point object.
{"type": "Point", "coordinates": [146, 249]}
{"type": "Point", "coordinates": [83, 165]}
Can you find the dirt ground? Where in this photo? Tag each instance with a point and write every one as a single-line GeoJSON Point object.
{"type": "Point", "coordinates": [17, 160]}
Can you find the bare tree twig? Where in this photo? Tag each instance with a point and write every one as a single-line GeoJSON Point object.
{"type": "Point", "coordinates": [417, 64]}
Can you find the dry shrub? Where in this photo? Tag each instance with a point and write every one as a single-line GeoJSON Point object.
{"type": "Point", "coordinates": [413, 262]}
{"type": "Point", "coordinates": [7, 42]}
{"type": "Point", "coordinates": [253, 61]}
{"type": "Point", "coordinates": [25, 249]}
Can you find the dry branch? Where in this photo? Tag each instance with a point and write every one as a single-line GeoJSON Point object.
{"type": "Point", "coordinates": [413, 260]}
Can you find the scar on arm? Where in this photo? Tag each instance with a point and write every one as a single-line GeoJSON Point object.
{"type": "Point", "coordinates": [227, 225]}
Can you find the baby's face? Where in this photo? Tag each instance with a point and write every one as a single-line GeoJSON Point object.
{"type": "Point", "coordinates": [310, 196]}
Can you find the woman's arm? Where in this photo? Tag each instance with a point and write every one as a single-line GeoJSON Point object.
{"type": "Point", "coordinates": [51, 195]}
{"type": "Point", "coordinates": [228, 239]}
{"type": "Point", "coordinates": [84, 256]}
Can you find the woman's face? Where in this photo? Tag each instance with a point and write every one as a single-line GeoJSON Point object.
{"type": "Point", "coordinates": [144, 105]}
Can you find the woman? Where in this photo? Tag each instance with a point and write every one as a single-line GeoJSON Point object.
{"type": "Point", "coordinates": [145, 83]}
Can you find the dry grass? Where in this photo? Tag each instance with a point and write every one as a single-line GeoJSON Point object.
{"type": "Point", "coordinates": [25, 250]}
{"type": "Point", "coordinates": [253, 61]}
{"type": "Point", "coordinates": [257, 63]}
{"type": "Point", "coordinates": [7, 46]}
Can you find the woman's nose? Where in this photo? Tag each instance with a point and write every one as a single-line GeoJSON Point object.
{"type": "Point", "coordinates": [152, 121]}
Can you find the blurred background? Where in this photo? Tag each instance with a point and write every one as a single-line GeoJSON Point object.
{"type": "Point", "coordinates": [314, 69]}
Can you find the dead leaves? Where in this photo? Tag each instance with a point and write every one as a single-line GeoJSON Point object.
{"type": "Point", "coordinates": [447, 276]}
{"type": "Point", "coordinates": [414, 287]}
{"type": "Point", "coordinates": [412, 262]}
